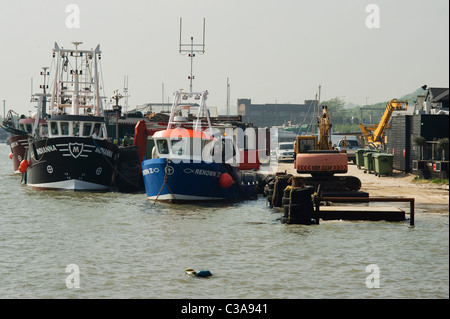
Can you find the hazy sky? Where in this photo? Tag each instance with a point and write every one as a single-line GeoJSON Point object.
{"type": "Point", "coordinates": [271, 50]}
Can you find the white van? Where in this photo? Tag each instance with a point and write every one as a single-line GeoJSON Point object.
{"type": "Point", "coordinates": [350, 146]}
{"type": "Point", "coordinates": [285, 151]}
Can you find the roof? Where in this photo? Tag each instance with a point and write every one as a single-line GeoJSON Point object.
{"type": "Point", "coordinates": [182, 132]}
{"type": "Point", "coordinates": [438, 94]}
{"type": "Point", "coordinates": [30, 120]}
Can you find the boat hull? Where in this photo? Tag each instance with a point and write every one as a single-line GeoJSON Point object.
{"type": "Point", "coordinates": [72, 163]}
{"type": "Point", "coordinates": [19, 145]}
{"type": "Point", "coordinates": [192, 181]}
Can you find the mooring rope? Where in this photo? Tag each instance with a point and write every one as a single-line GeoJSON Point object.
{"type": "Point", "coordinates": [116, 170]}
{"type": "Point", "coordinates": [165, 183]}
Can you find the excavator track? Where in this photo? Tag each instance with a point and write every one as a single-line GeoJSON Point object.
{"type": "Point", "coordinates": [334, 183]}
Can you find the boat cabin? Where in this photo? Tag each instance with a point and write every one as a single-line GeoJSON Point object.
{"type": "Point", "coordinates": [76, 125]}
{"type": "Point", "coordinates": [190, 145]}
{"type": "Point", "coordinates": [27, 125]}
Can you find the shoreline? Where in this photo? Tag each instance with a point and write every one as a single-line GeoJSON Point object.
{"type": "Point", "coordinates": [399, 185]}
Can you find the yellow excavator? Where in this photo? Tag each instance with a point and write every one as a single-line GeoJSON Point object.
{"type": "Point", "coordinates": [374, 134]}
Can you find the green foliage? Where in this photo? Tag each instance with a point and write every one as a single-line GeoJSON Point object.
{"type": "Point", "coordinates": [440, 181]}
{"type": "Point", "coordinates": [347, 120]}
{"type": "Point", "coordinates": [419, 140]}
{"type": "Point", "coordinates": [335, 106]}
{"type": "Point", "coordinates": [345, 128]}
{"type": "Point", "coordinates": [443, 143]}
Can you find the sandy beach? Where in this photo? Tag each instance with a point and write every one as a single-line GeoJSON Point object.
{"type": "Point", "coordinates": [399, 184]}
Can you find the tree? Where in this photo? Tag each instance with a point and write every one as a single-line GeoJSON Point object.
{"type": "Point", "coordinates": [335, 106]}
{"type": "Point", "coordinates": [443, 146]}
{"type": "Point", "coordinates": [420, 141]}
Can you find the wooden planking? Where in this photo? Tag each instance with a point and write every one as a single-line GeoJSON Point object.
{"type": "Point", "coordinates": [388, 213]}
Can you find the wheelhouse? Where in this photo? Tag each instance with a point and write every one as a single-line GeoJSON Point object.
{"type": "Point", "coordinates": [185, 144]}
{"type": "Point", "coordinates": [27, 125]}
{"type": "Point", "coordinates": [78, 126]}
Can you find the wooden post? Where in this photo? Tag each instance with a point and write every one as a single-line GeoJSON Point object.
{"type": "Point", "coordinates": [316, 210]}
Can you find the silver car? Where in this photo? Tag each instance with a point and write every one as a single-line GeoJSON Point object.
{"type": "Point", "coordinates": [285, 151]}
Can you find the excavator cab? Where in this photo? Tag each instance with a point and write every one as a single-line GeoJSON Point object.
{"type": "Point", "coordinates": [305, 143]}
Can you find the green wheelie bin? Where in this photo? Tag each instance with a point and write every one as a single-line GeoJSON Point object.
{"type": "Point", "coordinates": [359, 157]}
{"type": "Point", "coordinates": [382, 164]}
{"type": "Point", "coordinates": [368, 161]}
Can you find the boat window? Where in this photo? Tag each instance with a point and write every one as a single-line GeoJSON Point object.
{"type": "Point", "coordinates": [178, 146]}
{"type": "Point", "coordinates": [223, 151]}
{"type": "Point", "coordinates": [87, 129]}
{"type": "Point", "coordinates": [64, 128]}
{"type": "Point", "coordinates": [163, 147]}
{"type": "Point", "coordinates": [76, 128]}
{"type": "Point", "coordinates": [97, 126]}
{"type": "Point", "coordinates": [29, 128]}
{"type": "Point", "coordinates": [54, 128]}
{"type": "Point", "coordinates": [44, 129]}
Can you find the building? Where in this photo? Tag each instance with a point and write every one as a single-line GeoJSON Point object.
{"type": "Point", "coordinates": [430, 121]}
{"type": "Point", "coordinates": [436, 101]}
{"type": "Point", "coordinates": [267, 115]}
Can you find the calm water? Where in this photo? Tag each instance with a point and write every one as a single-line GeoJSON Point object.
{"type": "Point", "coordinates": [127, 247]}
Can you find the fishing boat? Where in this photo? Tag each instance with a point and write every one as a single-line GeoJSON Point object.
{"type": "Point", "coordinates": [75, 154]}
{"type": "Point", "coordinates": [19, 129]}
{"type": "Point", "coordinates": [18, 136]}
{"type": "Point", "coordinates": [194, 162]}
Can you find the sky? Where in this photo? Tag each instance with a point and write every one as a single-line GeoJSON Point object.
{"type": "Point", "coordinates": [271, 51]}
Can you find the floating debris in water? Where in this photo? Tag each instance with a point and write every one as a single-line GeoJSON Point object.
{"type": "Point", "coordinates": [200, 273]}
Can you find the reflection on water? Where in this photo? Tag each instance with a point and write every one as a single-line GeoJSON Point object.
{"type": "Point", "coordinates": [129, 247]}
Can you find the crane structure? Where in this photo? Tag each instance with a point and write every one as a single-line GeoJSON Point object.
{"type": "Point", "coordinates": [374, 134]}
{"type": "Point", "coordinates": [315, 155]}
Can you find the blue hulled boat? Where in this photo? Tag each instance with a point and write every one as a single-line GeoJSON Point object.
{"type": "Point", "coordinates": [194, 162]}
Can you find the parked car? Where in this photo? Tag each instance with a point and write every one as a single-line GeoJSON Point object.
{"type": "Point", "coordinates": [285, 151]}
{"type": "Point", "coordinates": [350, 146]}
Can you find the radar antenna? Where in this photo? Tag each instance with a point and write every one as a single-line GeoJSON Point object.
{"type": "Point", "coordinates": [191, 49]}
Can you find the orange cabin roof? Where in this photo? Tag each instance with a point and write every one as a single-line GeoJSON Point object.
{"type": "Point", "coordinates": [182, 132]}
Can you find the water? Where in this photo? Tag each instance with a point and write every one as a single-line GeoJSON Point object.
{"type": "Point", "coordinates": [127, 247]}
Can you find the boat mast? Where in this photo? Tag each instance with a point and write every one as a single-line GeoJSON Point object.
{"type": "Point", "coordinates": [85, 80]}
{"type": "Point", "coordinates": [193, 48]}
{"type": "Point", "coordinates": [76, 82]}
{"type": "Point", "coordinates": [202, 96]}
{"type": "Point", "coordinates": [44, 87]}
{"type": "Point", "coordinates": [98, 100]}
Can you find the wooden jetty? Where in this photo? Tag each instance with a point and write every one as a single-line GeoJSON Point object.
{"type": "Point", "coordinates": [362, 212]}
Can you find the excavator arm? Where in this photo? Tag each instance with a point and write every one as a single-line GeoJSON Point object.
{"type": "Point", "coordinates": [324, 124]}
{"type": "Point", "coordinates": [374, 134]}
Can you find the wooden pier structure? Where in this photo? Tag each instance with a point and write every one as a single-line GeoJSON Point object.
{"type": "Point", "coordinates": [362, 212]}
